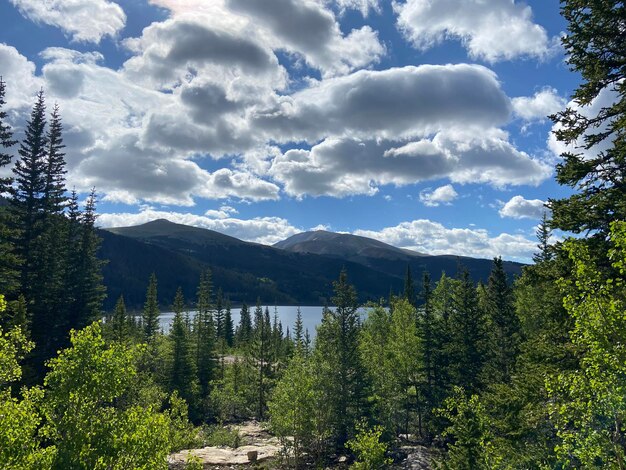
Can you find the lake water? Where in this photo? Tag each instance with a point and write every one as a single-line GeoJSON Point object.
{"type": "Point", "coordinates": [311, 317]}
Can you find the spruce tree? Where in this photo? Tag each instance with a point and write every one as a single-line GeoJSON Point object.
{"type": "Point", "coordinates": [229, 333]}
{"type": "Point", "coordinates": [244, 330]}
{"type": "Point", "coordinates": [543, 232]}
{"type": "Point", "coordinates": [596, 167]}
{"type": "Point", "coordinates": [219, 315]}
{"type": "Point", "coordinates": [183, 376]}
{"type": "Point", "coordinates": [150, 316]}
{"type": "Point", "coordinates": [91, 290]}
{"type": "Point", "coordinates": [9, 262]}
{"type": "Point", "coordinates": [298, 331]}
{"type": "Point", "coordinates": [204, 334]}
{"type": "Point", "coordinates": [119, 327]}
{"type": "Point", "coordinates": [27, 202]}
{"type": "Point", "coordinates": [338, 343]}
{"type": "Point", "coordinates": [505, 327]}
{"type": "Point", "coordinates": [467, 336]}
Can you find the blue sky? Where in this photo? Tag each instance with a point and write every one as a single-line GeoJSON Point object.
{"type": "Point", "coordinates": [420, 123]}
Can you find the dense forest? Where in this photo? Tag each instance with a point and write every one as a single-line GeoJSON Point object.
{"type": "Point", "coordinates": [499, 375]}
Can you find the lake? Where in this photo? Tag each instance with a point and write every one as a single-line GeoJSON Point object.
{"type": "Point", "coordinates": [311, 317]}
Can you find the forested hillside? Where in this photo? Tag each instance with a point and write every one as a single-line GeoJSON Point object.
{"type": "Point", "coordinates": [502, 374]}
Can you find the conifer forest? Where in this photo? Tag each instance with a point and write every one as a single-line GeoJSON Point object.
{"type": "Point", "coordinates": [513, 372]}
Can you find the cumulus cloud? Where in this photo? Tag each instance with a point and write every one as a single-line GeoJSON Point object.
{"type": "Point", "coordinates": [493, 30]}
{"type": "Point", "coordinates": [442, 195]}
{"type": "Point", "coordinates": [538, 107]}
{"type": "Point", "coordinates": [520, 208]}
{"type": "Point", "coordinates": [83, 20]}
{"type": "Point", "coordinates": [395, 103]}
{"type": "Point", "coordinates": [342, 166]}
{"type": "Point", "coordinates": [265, 230]}
{"type": "Point", "coordinates": [309, 28]}
{"type": "Point", "coordinates": [433, 238]}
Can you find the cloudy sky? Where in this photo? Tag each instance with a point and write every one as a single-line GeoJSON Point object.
{"type": "Point", "coordinates": [420, 123]}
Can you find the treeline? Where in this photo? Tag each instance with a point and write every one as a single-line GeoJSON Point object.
{"type": "Point", "coordinates": [49, 270]}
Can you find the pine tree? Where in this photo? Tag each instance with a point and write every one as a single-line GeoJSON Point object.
{"type": "Point", "coordinates": [298, 333]}
{"type": "Point", "coordinates": [258, 358]}
{"type": "Point", "coordinates": [595, 48]}
{"type": "Point", "coordinates": [90, 290]}
{"type": "Point", "coordinates": [54, 198]}
{"type": "Point", "coordinates": [219, 315]}
{"type": "Point", "coordinates": [150, 317]}
{"type": "Point", "coordinates": [426, 330]}
{"type": "Point", "coordinates": [118, 325]}
{"type": "Point", "coordinates": [543, 236]}
{"type": "Point", "coordinates": [9, 262]}
{"type": "Point", "coordinates": [183, 376]}
{"type": "Point", "coordinates": [338, 342]}
{"type": "Point", "coordinates": [27, 202]}
{"type": "Point", "coordinates": [204, 334]}
{"type": "Point", "coordinates": [229, 333]}
{"type": "Point", "coordinates": [468, 337]}
{"type": "Point", "coordinates": [505, 327]}
{"type": "Point", "coordinates": [244, 330]}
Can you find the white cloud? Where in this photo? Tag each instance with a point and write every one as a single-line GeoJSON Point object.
{"type": "Point", "coordinates": [84, 20]}
{"type": "Point", "coordinates": [442, 195]}
{"type": "Point", "coordinates": [364, 6]}
{"type": "Point", "coordinates": [340, 166]}
{"type": "Point", "coordinates": [391, 104]}
{"type": "Point", "coordinates": [308, 28]}
{"type": "Point", "coordinates": [520, 208]}
{"type": "Point", "coordinates": [265, 230]}
{"type": "Point", "coordinates": [493, 30]}
{"type": "Point", "coordinates": [539, 106]}
{"type": "Point", "coordinates": [433, 238]}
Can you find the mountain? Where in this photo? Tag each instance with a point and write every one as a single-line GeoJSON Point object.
{"type": "Point", "coordinates": [178, 253]}
{"type": "Point", "coordinates": [386, 258]}
{"type": "Point", "coordinates": [299, 270]}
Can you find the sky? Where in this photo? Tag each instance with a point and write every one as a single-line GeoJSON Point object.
{"type": "Point", "coordinates": [421, 123]}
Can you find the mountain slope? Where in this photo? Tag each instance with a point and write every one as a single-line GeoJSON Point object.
{"type": "Point", "coordinates": [386, 258]}
{"type": "Point", "coordinates": [245, 271]}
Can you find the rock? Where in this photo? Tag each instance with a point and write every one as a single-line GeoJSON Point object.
{"type": "Point", "coordinates": [418, 458]}
{"type": "Point", "coordinates": [253, 455]}
{"type": "Point", "coordinates": [225, 455]}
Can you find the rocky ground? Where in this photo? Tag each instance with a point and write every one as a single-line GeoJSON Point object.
{"type": "Point", "coordinates": [260, 449]}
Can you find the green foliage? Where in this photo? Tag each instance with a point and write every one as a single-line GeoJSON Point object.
{"type": "Point", "coordinates": [150, 316]}
{"type": "Point", "coordinates": [589, 404]}
{"type": "Point", "coordinates": [290, 408]}
{"type": "Point", "coordinates": [595, 48]}
{"type": "Point", "coordinates": [469, 431]}
{"type": "Point", "coordinates": [220, 436]}
{"type": "Point", "coordinates": [370, 451]}
{"type": "Point", "coordinates": [82, 389]}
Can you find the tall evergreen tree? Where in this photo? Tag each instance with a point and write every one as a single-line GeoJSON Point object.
{"type": "Point", "coordinates": [543, 232]}
{"type": "Point", "coordinates": [9, 274]}
{"type": "Point", "coordinates": [219, 315]}
{"type": "Point", "coordinates": [338, 342]}
{"type": "Point", "coordinates": [229, 333]}
{"type": "Point", "coordinates": [596, 167]}
{"type": "Point", "coordinates": [150, 316]}
{"type": "Point", "coordinates": [90, 290]}
{"type": "Point", "coordinates": [183, 376]}
{"type": "Point", "coordinates": [118, 325]}
{"type": "Point", "coordinates": [504, 325]}
{"type": "Point", "coordinates": [204, 333]}
{"type": "Point", "coordinates": [298, 331]}
{"type": "Point", "coordinates": [27, 201]}
{"type": "Point", "coordinates": [467, 336]}
{"type": "Point", "coordinates": [244, 329]}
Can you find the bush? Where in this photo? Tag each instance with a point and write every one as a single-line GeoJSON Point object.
{"type": "Point", "coordinates": [369, 451]}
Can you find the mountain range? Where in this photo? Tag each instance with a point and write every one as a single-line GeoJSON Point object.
{"type": "Point", "coordinates": [298, 270]}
